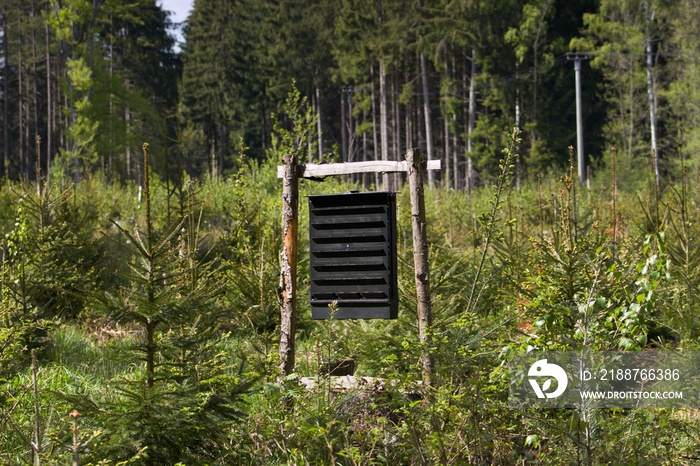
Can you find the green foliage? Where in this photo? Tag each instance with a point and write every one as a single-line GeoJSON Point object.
{"type": "Point", "coordinates": [300, 136]}
{"type": "Point", "coordinates": [56, 256]}
{"type": "Point", "coordinates": [183, 399]}
{"type": "Point", "coordinates": [685, 265]}
{"type": "Point", "coordinates": [226, 44]}
{"type": "Point", "coordinates": [681, 93]}
{"type": "Point", "coordinates": [83, 129]}
{"type": "Point", "coordinates": [172, 358]}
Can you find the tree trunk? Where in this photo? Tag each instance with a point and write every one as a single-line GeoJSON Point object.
{"type": "Point", "coordinates": [319, 128]}
{"type": "Point", "coordinates": [35, 93]}
{"type": "Point", "coordinates": [166, 163]}
{"type": "Point", "coordinates": [288, 274]}
{"type": "Point", "coordinates": [417, 169]}
{"type": "Point", "coordinates": [212, 155]}
{"type": "Point", "coordinates": [517, 126]}
{"type": "Point", "coordinates": [365, 176]}
{"type": "Point", "coordinates": [455, 141]}
{"type": "Point", "coordinates": [150, 354]}
{"type": "Point", "coordinates": [20, 95]}
{"type": "Point", "coordinates": [375, 142]}
{"type": "Point", "coordinates": [446, 182]}
{"type": "Point", "coordinates": [57, 136]}
{"type": "Point", "coordinates": [151, 324]}
{"type": "Point", "coordinates": [407, 117]}
{"type": "Point", "coordinates": [419, 121]}
{"type": "Point", "coordinates": [222, 146]}
{"type": "Point", "coordinates": [448, 173]}
{"type": "Point", "coordinates": [343, 128]}
{"type": "Point", "coordinates": [455, 158]}
{"type": "Point", "coordinates": [383, 125]}
{"type": "Point", "coordinates": [471, 121]}
{"type": "Point", "coordinates": [352, 136]}
{"type": "Point", "coordinates": [6, 95]}
{"type": "Point", "coordinates": [48, 104]}
{"type": "Point", "coordinates": [127, 124]}
{"type": "Point", "coordinates": [396, 128]}
{"type": "Point", "coordinates": [111, 96]}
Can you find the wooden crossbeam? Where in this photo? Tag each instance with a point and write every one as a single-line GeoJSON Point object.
{"type": "Point", "coordinates": [319, 170]}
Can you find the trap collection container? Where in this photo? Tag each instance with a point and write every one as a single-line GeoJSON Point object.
{"type": "Point", "coordinates": [352, 240]}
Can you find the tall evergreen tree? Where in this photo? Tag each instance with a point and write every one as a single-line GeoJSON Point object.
{"type": "Point", "coordinates": [226, 77]}
{"type": "Point", "coordinates": [683, 94]}
{"type": "Point", "coordinates": [63, 77]}
{"type": "Point", "coordinates": [137, 80]}
{"type": "Point", "coordinates": [300, 45]}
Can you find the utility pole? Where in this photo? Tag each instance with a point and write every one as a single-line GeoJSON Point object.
{"type": "Point", "coordinates": [577, 57]}
{"type": "Point", "coordinates": [650, 93]}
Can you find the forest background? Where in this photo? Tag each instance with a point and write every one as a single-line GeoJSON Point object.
{"type": "Point", "coordinates": [139, 317]}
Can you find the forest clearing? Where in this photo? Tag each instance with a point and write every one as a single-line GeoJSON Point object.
{"type": "Point", "coordinates": [143, 246]}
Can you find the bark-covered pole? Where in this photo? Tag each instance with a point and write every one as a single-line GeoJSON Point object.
{"type": "Point", "coordinates": [416, 172]}
{"type": "Point", "coordinates": [288, 273]}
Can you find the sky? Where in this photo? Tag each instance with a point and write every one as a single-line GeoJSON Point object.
{"type": "Point", "coordinates": [180, 9]}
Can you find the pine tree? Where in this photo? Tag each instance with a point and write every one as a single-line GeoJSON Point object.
{"type": "Point", "coordinates": [182, 397]}
{"type": "Point", "coordinates": [136, 82]}
{"type": "Point", "coordinates": [226, 92]}
{"type": "Point", "coordinates": [682, 94]}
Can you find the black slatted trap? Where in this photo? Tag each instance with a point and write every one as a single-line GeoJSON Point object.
{"type": "Point", "coordinates": [353, 255]}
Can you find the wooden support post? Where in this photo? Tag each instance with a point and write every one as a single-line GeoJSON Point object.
{"type": "Point", "coordinates": [416, 172]}
{"type": "Point", "coordinates": [288, 274]}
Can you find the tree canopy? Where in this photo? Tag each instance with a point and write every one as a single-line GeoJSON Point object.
{"type": "Point", "coordinates": [93, 78]}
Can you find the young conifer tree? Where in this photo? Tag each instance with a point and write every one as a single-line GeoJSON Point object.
{"type": "Point", "coordinates": [180, 399]}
